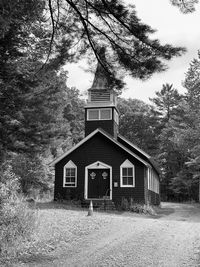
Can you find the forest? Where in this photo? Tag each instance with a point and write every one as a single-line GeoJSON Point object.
{"type": "Point", "coordinates": [40, 116]}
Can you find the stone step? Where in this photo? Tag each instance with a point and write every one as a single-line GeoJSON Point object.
{"type": "Point", "coordinates": [99, 204]}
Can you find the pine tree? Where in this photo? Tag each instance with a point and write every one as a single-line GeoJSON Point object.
{"type": "Point", "coordinates": [139, 124]}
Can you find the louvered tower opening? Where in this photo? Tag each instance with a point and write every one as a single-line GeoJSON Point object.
{"type": "Point", "coordinates": [101, 96]}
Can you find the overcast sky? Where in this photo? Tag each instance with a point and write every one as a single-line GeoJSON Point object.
{"type": "Point", "coordinates": [172, 27]}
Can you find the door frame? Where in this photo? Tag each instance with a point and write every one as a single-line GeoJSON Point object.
{"type": "Point", "coordinates": [97, 165]}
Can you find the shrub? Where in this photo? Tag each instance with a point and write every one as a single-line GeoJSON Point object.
{"type": "Point", "coordinates": [124, 204]}
{"type": "Point", "coordinates": [136, 207]}
{"type": "Point", "coordinates": [142, 208]}
{"type": "Point", "coordinates": [34, 177]}
{"type": "Point", "coordinates": [17, 221]}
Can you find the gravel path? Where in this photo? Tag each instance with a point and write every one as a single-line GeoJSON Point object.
{"type": "Point", "coordinates": [170, 239]}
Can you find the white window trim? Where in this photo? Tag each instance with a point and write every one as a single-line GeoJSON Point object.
{"type": "Point", "coordinates": [69, 164]}
{"type": "Point", "coordinates": [98, 109]}
{"type": "Point", "coordinates": [127, 164]}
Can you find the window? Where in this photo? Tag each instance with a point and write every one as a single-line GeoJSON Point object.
{"type": "Point", "coordinates": [127, 174]}
{"type": "Point", "coordinates": [99, 114]}
{"type": "Point", "coordinates": [105, 114]}
{"type": "Point", "coordinates": [70, 175]}
{"type": "Point", "coordinates": [93, 114]}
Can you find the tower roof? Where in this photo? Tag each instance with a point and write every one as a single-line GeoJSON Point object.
{"type": "Point", "coordinates": [101, 78]}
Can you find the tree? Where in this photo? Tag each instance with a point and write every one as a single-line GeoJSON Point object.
{"type": "Point", "coordinates": [114, 25]}
{"type": "Point", "coordinates": [91, 24]}
{"type": "Point", "coordinates": [168, 104]}
{"type": "Point", "coordinates": [167, 101]}
{"type": "Point", "coordinates": [190, 134]}
{"type": "Point", "coordinates": [179, 141]}
{"type": "Point", "coordinates": [139, 124]}
{"type": "Point", "coordinates": [192, 84]}
{"type": "Point", "coordinates": [185, 6]}
{"type": "Point", "coordinates": [36, 113]}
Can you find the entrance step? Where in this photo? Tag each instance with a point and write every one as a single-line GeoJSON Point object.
{"type": "Point", "coordinates": [99, 204]}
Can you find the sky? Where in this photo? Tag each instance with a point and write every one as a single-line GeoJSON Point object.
{"type": "Point", "coordinates": [172, 27]}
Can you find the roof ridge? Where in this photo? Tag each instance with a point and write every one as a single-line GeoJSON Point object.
{"type": "Point", "coordinates": [90, 136]}
{"type": "Point", "coordinates": [135, 146]}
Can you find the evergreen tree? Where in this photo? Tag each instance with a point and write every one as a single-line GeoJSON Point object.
{"type": "Point", "coordinates": [114, 25]}
{"type": "Point", "coordinates": [167, 102]}
{"type": "Point", "coordinates": [139, 124]}
{"type": "Point", "coordinates": [185, 6]}
{"type": "Point", "coordinates": [189, 135]}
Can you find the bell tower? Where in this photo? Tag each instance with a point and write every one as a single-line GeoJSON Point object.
{"type": "Point", "coordinates": [101, 108]}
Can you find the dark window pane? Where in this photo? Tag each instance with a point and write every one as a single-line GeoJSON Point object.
{"type": "Point", "coordinates": [93, 114]}
{"type": "Point", "coordinates": [105, 114]}
{"type": "Point", "coordinates": [73, 172]}
{"type": "Point", "coordinates": [68, 179]}
{"type": "Point", "coordinates": [130, 171]}
{"type": "Point", "coordinates": [70, 171]}
{"type": "Point", "coordinates": [124, 172]}
{"type": "Point", "coordinates": [125, 181]}
{"type": "Point", "coordinates": [73, 179]}
{"type": "Point", "coordinates": [67, 172]}
{"type": "Point", "coordinates": [130, 181]}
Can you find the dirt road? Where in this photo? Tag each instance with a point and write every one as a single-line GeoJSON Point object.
{"type": "Point", "coordinates": [170, 239]}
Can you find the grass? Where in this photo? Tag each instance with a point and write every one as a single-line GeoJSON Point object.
{"type": "Point", "coordinates": [17, 222]}
{"type": "Point", "coordinates": [59, 226]}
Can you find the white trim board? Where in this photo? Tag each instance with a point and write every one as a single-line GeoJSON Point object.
{"type": "Point", "coordinates": [69, 164]}
{"type": "Point", "coordinates": [134, 146]}
{"type": "Point", "coordinates": [127, 164]}
{"type": "Point", "coordinates": [90, 136]}
{"type": "Point", "coordinates": [96, 165]}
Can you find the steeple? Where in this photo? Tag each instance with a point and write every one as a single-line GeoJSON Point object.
{"type": "Point", "coordinates": [101, 110]}
{"type": "Point", "coordinates": [101, 76]}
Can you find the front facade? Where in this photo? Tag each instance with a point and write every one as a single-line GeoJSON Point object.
{"type": "Point", "coordinates": [104, 165]}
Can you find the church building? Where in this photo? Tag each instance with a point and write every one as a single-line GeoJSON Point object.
{"type": "Point", "coordinates": [105, 166]}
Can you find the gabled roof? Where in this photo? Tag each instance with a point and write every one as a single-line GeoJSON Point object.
{"type": "Point", "coordinates": [142, 153]}
{"type": "Point", "coordinates": [134, 146]}
{"type": "Point", "coordinates": [98, 130]}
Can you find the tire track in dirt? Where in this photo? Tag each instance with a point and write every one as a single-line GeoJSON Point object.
{"type": "Point", "coordinates": [172, 239]}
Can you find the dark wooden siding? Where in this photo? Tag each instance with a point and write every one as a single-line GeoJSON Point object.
{"type": "Point", "coordinates": [109, 126]}
{"type": "Point", "coordinates": [106, 125]}
{"type": "Point", "coordinates": [100, 148]}
{"type": "Point", "coordinates": [153, 198]}
{"type": "Point", "coordinates": [131, 148]}
{"type": "Point", "coordinates": [142, 156]}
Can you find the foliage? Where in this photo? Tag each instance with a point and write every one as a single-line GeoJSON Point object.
{"type": "Point", "coordinates": [130, 205]}
{"type": "Point", "coordinates": [38, 31]}
{"type": "Point", "coordinates": [32, 174]}
{"type": "Point", "coordinates": [185, 6]}
{"type": "Point", "coordinates": [135, 116]}
{"type": "Point", "coordinates": [192, 84]}
{"type": "Point", "coordinates": [167, 101]}
{"type": "Point", "coordinates": [16, 220]}
{"type": "Point", "coordinates": [39, 115]}
{"type": "Point", "coordinates": [114, 25]}
{"type": "Point", "coordinates": [179, 138]}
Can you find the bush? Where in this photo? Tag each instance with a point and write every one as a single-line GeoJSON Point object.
{"type": "Point", "coordinates": [17, 221]}
{"type": "Point", "coordinates": [34, 176]}
{"type": "Point", "coordinates": [136, 207]}
{"type": "Point", "coordinates": [125, 204]}
{"type": "Point", "coordinates": [142, 208]}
